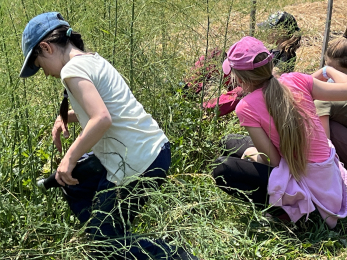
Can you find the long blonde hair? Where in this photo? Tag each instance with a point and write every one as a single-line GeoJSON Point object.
{"type": "Point", "coordinates": [291, 123]}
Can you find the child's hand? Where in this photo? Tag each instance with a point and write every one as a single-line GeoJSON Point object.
{"type": "Point", "coordinates": [59, 127]}
{"type": "Point", "coordinates": [63, 174]}
{"type": "Point", "coordinates": [250, 154]}
{"type": "Point", "coordinates": [319, 75]}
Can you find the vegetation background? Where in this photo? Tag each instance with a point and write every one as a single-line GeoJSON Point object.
{"type": "Point", "coordinates": [153, 44]}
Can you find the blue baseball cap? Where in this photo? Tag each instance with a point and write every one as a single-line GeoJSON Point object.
{"type": "Point", "coordinates": [34, 32]}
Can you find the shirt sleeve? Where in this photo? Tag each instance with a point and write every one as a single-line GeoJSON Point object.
{"type": "Point", "coordinates": [323, 108]}
{"type": "Point", "coordinates": [305, 80]}
{"type": "Point", "coordinates": [75, 69]}
{"type": "Point", "coordinates": [247, 115]}
{"type": "Point", "coordinates": [301, 82]}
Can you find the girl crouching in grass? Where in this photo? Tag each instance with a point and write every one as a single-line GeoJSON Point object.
{"type": "Point", "coordinates": [128, 141]}
{"type": "Point", "coordinates": [293, 165]}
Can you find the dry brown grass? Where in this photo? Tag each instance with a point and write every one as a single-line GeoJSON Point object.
{"type": "Point", "coordinates": [311, 18]}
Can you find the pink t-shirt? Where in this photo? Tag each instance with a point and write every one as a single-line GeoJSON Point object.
{"type": "Point", "coordinates": [252, 112]}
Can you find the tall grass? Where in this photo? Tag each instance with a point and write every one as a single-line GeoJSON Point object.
{"type": "Point", "coordinates": [152, 44]}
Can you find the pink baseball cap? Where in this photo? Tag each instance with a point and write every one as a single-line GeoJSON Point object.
{"type": "Point", "coordinates": [241, 55]}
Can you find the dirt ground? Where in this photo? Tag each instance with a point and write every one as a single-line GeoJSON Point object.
{"type": "Point", "coordinates": [311, 18]}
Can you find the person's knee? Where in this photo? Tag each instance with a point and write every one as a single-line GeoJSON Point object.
{"type": "Point", "coordinates": [235, 144]}
{"type": "Point", "coordinates": [221, 170]}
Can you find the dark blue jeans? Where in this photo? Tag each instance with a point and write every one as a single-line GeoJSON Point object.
{"type": "Point", "coordinates": [110, 210]}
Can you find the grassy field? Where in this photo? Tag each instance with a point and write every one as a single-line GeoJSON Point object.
{"type": "Point", "coordinates": [152, 44]}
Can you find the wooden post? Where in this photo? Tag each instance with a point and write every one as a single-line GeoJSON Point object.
{"type": "Point", "coordinates": [326, 32]}
{"type": "Point", "coordinates": [252, 23]}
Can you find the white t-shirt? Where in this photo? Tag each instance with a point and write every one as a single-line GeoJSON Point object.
{"type": "Point", "coordinates": [134, 139]}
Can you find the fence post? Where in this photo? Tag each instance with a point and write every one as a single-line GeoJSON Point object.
{"type": "Point", "coordinates": [252, 23]}
{"type": "Point", "coordinates": [326, 32]}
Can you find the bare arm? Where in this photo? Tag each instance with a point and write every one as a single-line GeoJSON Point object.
{"type": "Point", "coordinates": [337, 76]}
{"type": "Point", "coordinates": [264, 146]}
{"type": "Point", "coordinates": [72, 117]}
{"type": "Point", "coordinates": [59, 128]}
{"type": "Point", "coordinates": [330, 91]}
{"type": "Point", "coordinates": [325, 123]}
{"type": "Point", "coordinates": [252, 154]}
{"type": "Point", "coordinates": [319, 75]}
{"type": "Point", "coordinates": [99, 122]}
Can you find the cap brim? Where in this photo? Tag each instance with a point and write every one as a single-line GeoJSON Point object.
{"type": "Point", "coordinates": [27, 70]}
{"type": "Point", "coordinates": [226, 67]}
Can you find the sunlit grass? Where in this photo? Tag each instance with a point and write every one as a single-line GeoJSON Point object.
{"type": "Point", "coordinates": [189, 210]}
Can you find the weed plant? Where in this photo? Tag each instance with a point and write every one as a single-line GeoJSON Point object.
{"type": "Point", "coordinates": [152, 44]}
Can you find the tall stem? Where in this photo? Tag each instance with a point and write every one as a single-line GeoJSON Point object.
{"type": "Point", "coordinates": [221, 79]}
{"type": "Point", "coordinates": [131, 77]}
{"type": "Point", "coordinates": [204, 70]}
{"type": "Point", "coordinates": [115, 32]}
{"type": "Point", "coordinates": [252, 23]}
{"type": "Point", "coordinates": [25, 10]}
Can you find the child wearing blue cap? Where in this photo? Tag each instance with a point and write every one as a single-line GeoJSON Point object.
{"type": "Point", "coordinates": [127, 141]}
{"type": "Point", "coordinates": [293, 165]}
